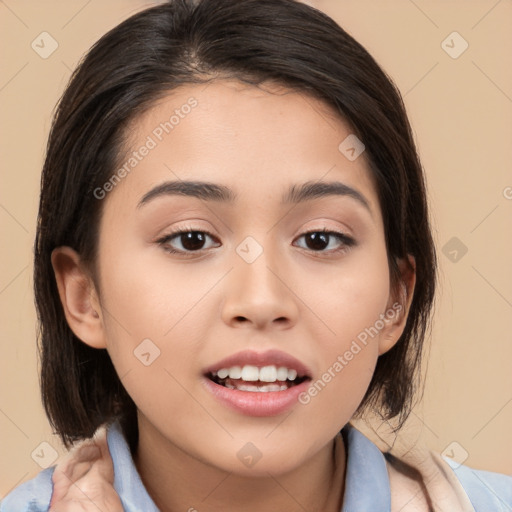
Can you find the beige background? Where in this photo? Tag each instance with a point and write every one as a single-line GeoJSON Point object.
{"type": "Point", "coordinates": [460, 110]}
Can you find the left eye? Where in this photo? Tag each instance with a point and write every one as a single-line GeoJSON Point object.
{"type": "Point", "coordinates": [319, 241]}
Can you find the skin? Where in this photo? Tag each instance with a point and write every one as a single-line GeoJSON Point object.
{"type": "Point", "coordinates": [83, 480]}
{"type": "Point", "coordinates": [201, 308]}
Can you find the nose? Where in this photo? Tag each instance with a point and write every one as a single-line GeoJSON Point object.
{"type": "Point", "coordinates": [259, 296]}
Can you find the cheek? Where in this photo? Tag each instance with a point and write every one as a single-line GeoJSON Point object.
{"type": "Point", "coordinates": [346, 298]}
{"type": "Point", "coordinates": [157, 315]}
{"type": "Point", "coordinates": [149, 297]}
{"type": "Point", "coordinates": [347, 329]}
{"type": "Point", "coordinates": [150, 335]}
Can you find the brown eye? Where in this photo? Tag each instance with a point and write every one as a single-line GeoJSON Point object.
{"type": "Point", "coordinates": [192, 240]}
{"type": "Point", "coordinates": [185, 241]}
{"type": "Point", "coordinates": [320, 240]}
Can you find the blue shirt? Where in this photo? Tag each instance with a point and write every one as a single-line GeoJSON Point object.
{"type": "Point", "coordinates": [367, 486]}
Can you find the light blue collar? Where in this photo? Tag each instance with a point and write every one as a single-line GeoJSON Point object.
{"type": "Point", "coordinates": [127, 482]}
{"type": "Point", "coordinates": [366, 481]}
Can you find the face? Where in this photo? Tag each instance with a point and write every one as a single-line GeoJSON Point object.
{"type": "Point", "coordinates": [262, 277]}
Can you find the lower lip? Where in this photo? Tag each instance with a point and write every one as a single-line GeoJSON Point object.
{"type": "Point", "coordinates": [256, 403]}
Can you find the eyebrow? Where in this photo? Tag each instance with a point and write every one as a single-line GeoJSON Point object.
{"type": "Point", "coordinates": [214, 192]}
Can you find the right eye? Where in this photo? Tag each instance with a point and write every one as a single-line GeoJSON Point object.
{"type": "Point", "coordinates": [187, 240]}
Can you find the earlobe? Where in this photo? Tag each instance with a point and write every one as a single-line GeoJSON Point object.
{"type": "Point", "coordinates": [78, 297]}
{"type": "Point", "coordinates": [399, 305]}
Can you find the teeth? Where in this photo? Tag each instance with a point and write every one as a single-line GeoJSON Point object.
{"type": "Point", "coordinates": [223, 373]}
{"type": "Point", "coordinates": [261, 389]}
{"type": "Point", "coordinates": [268, 374]}
{"type": "Point", "coordinates": [235, 372]}
{"type": "Point", "coordinates": [251, 373]}
{"type": "Point", "coordinates": [282, 373]}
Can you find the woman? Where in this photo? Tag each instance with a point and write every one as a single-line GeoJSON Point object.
{"type": "Point", "coordinates": [233, 260]}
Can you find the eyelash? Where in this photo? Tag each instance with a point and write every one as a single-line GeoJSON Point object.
{"type": "Point", "coordinates": [346, 240]}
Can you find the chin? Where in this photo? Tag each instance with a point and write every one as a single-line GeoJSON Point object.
{"type": "Point", "coordinates": [259, 459]}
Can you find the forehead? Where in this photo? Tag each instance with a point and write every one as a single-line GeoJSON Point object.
{"type": "Point", "coordinates": [256, 139]}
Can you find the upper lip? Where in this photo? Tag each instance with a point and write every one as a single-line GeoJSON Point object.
{"type": "Point", "coordinates": [270, 357]}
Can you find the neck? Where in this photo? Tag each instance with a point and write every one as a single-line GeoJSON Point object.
{"type": "Point", "coordinates": [177, 481]}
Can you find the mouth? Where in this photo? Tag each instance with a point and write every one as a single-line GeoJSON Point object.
{"type": "Point", "coordinates": [257, 383]}
{"type": "Point", "coordinates": [258, 379]}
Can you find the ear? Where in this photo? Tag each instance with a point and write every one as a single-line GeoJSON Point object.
{"type": "Point", "coordinates": [397, 311]}
{"type": "Point", "coordinates": [78, 297]}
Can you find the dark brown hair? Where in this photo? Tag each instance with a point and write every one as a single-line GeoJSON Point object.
{"type": "Point", "coordinates": [182, 42]}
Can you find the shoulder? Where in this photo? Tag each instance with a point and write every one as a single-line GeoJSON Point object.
{"type": "Point", "coordinates": [419, 479]}
{"type": "Point", "coordinates": [447, 485]}
{"type": "Point", "coordinates": [36, 494]}
{"type": "Point", "coordinates": [486, 490]}
{"type": "Point", "coordinates": [31, 496]}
